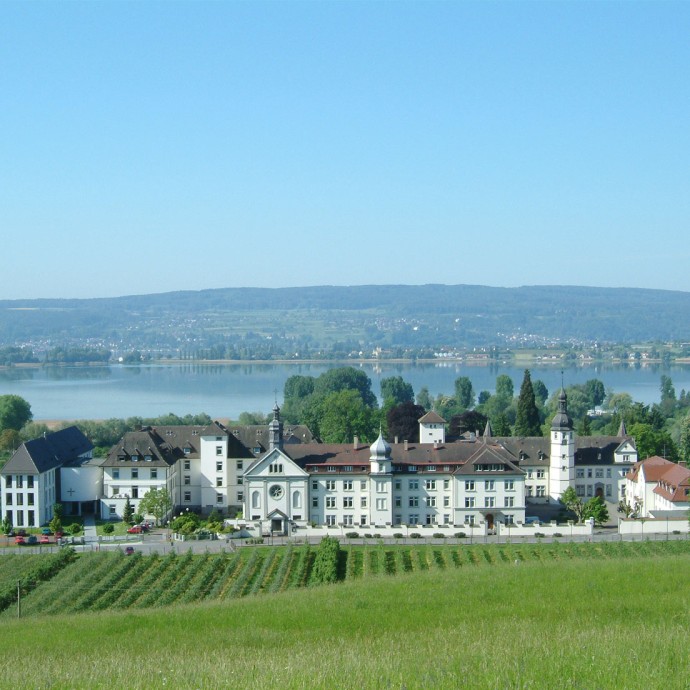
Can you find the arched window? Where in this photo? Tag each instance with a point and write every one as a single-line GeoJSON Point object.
{"type": "Point", "coordinates": [256, 499]}
{"type": "Point", "coordinates": [296, 499]}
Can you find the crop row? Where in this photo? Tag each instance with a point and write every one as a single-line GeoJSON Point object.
{"type": "Point", "coordinates": [99, 581]}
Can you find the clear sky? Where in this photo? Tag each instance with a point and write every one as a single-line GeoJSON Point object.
{"type": "Point", "coordinates": [158, 146]}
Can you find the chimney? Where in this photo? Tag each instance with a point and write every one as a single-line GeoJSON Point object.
{"type": "Point", "coordinates": [396, 440]}
{"type": "Point", "coordinates": [405, 444]}
{"type": "Point", "coordinates": [472, 436]}
{"type": "Point", "coordinates": [435, 445]}
{"type": "Point", "coordinates": [356, 443]}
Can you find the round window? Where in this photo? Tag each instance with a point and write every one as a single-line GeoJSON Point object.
{"type": "Point", "coordinates": [276, 491]}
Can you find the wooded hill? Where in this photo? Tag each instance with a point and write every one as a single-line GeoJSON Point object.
{"type": "Point", "coordinates": [358, 317]}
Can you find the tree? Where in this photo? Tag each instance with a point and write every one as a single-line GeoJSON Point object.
{"type": "Point", "coordinates": [156, 502]}
{"type": "Point", "coordinates": [127, 512]}
{"type": "Point", "coordinates": [527, 422]}
{"type": "Point", "coordinates": [403, 421]}
{"type": "Point", "coordinates": [650, 441]}
{"type": "Point", "coordinates": [541, 392]}
{"type": "Point", "coordinates": [504, 387]}
{"type": "Point", "coordinates": [346, 378]}
{"type": "Point", "coordinates": [6, 525]}
{"type": "Point", "coordinates": [500, 425]}
{"type": "Point", "coordinates": [595, 391]}
{"type": "Point", "coordinates": [424, 398]}
{"type": "Point", "coordinates": [10, 439]}
{"type": "Point", "coordinates": [15, 412]}
{"type": "Point", "coordinates": [469, 420]}
{"type": "Point", "coordinates": [596, 508]}
{"type": "Point", "coordinates": [340, 416]}
{"type": "Point", "coordinates": [395, 391]}
{"type": "Point", "coordinates": [684, 444]}
{"type": "Point", "coordinates": [668, 396]}
{"type": "Point", "coordinates": [573, 502]}
{"type": "Point", "coordinates": [464, 393]}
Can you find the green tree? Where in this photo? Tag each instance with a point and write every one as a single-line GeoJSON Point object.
{"type": "Point", "coordinates": [340, 416]}
{"type": "Point", "coordinates": [127, 512]}
{"type": "Point", "coordinates": [346, 378]}
{"type": "Point", "coordinates": [595, 392]}
{"type": "Point", "coordinates": [596, 508]}
{"type": "Point", "coordinates": [527, 422]}
{"type": "Point", "coordinates": [10, 439]}
{"type": "Point", "coordinates": [573, 503]}
{"type": "Point", "coordinates": [684, 442]}
{"type": "Point", "coordinates": [668, 396]}
{"type": "Point", "coordinates": [500, 425]}
{"type": "Point", "coordinates": [424, 399]}
{"type": "Point", "coordinates": [156, 502]}
{"type": "Point", "coordinates": [6, 525]}
{"type": "Point", "coordinates": [395, 391]}
{"type": "Point", "coordinates": [15, 412]}
{"type": "Point", "coordinates": [464, 392]}
{"type": "Point", "coordinates": [541, 392]}
{"type": "Point", "coordinates": [650, 441]}
{"type": "Point", "coordinates": [469, 420]}
{"type": "Point", "coordinates": [504, 387]}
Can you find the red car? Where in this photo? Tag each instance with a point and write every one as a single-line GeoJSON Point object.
{"type": "Point", "coordinates": [19, 539]}
{"type": "Point", "coordinates": [136, 529]}
{"type": "Point", "coordinates": [45, 539]}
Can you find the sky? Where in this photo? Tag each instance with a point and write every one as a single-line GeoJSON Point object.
{"type": "Point", "coordinates": [157, 146]}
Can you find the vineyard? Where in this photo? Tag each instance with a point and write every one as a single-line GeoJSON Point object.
{"type": "Point", "coordinates": [114, 581]}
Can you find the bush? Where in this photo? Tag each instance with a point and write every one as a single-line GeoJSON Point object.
{"type": "Point", "coordinates": [74, 528]}
{"type": "Point", "coordinates": [368, 536]}
{"type": "Point", "coordinates": [398, 535]}
{"type": "Point", "coordinates": [459, 535]}
{"type": "Point", "coordinates": [539, 535]}
{"type": "Point", "coordinates": [352, 535]}
{"type": "Point", "coordinates": [557, 534]}
{"type": "Point", "coordinates": [325, 568]}
{"type": "Point", "coordinates": [108, 528]}
{"type": "Point", "coordinates": [438, 535]}
{"type": "Point", "coordinates": [415, 535]}
{"type": "Point", "coordinates": [137, 518]}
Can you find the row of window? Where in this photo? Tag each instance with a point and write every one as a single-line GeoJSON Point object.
{"type": "Point", "coordinates": [17, 518]}
{"type": "Point", "coordinates": [588, 489]}
{"type": "Point", "coordinates": [598, 473]}
{"type": "Point", "coordinates": [489, 502]}
{"type": "Point", "coordinates": [20, 499]}
{"type": "Point", "coordinates": [17, 480]}
{"type": "Point", "coordinates": [412, 520]}
{"type": "Point", "coordinates": [414, 484]}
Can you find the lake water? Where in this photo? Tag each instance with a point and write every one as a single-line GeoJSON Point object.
{"type": "Point", "coordinates": [226, 390]}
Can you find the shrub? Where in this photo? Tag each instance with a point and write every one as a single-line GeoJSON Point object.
{"type": "Point", "coordinates": [325, 568]}
{"type": "Point", "coordinates": [438, 535]}
{"type": "Point", "coordinates": [137, 518]}
{"type": "Point", "coordinates": [108, 528]}
{"type": "Point", "coordinates": [352, 535]}
{"type": "Point", "coordinates": [676, 531]}
{"type": "Point", "coordinates": [460, 535]}
{"type": "Point", "coordinates": [415, 535]}
{"type": "Point", "coordinates": [557, 534]}
{"type": "Point", "coordinates": [539, 535]}
{"type": "Point", "coordinates": [368, 536]}
{"type": "Point", "coordinates": [74, 528]}
{"type": "Point", "coordinates": [398, 535]}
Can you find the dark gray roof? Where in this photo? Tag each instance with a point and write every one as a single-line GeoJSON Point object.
{"type": "Point", "coordinates": [48, 452]}
{"type": "Point", "coordinates": [135, 446]}
{"type": "Point", "coordinates": [256, 436]}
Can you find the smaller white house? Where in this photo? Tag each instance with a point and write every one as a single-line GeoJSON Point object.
{"type": "Point", "coordinates": [657, 485]}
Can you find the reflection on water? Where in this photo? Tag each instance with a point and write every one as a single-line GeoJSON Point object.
{"type": "Point", "coordinates": [16, 374]}
{"type": "Point", "coordinates": [55, 373]}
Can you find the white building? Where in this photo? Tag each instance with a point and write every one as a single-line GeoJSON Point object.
{"type": "Point", "coordinates": [658, 487]}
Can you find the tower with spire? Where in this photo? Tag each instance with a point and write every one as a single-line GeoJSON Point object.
{"type": "Point", "coordinates": [275, 430]}
{"type": "Point", "coordinates": [562, 459]}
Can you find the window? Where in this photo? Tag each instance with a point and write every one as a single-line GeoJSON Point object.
{"type": "Point", "coordinates": [219, 450]}
{"type": "Point", "coordinates": [8, 499]}
{"type": "Point", "coordinates": [413, 520]}
{"type": "Point", "coordinates": [469, 519]}
{"type": "Point", "coordinates": [219, 481]}
{"type": "Point", "coordinates": [240, 496]}
{"type": "Point", "coordinates": [187, 496]}
{"type": "Point", "coordinates": [362, 519]}
{"type": "Point", "coordinates": [529, 474]}
{"type": "Point", "coordinates": [314, 501]}
{"type": "Point", "coordinates": [363, 502]}
{"type": "Point", "coordinates": [414, 501]}
{"type": "Point", "coordinates": [315, 485]}
{"type": "Point", "coordinates": [30, 481]}
{"type": "Point", "coordinates": [154, 473]}
{"type": "Point", "coordinates": [540, 474]}
{"type": "Point", "coordinates": [381, 487]}
{"type": "Point", "coordinates": [330, 501]}
{"type": "Point", "coordinates": [579, 473]}
{"type": "Point", "coordinates": [431, 518]}
{"type": "Point", "coordinates": [446, 501]}
{"type": "Point", "coordinates": [590, 490]}
{"type": "Point", "coordinates": [580, 489]}
{"type": "Point", "coordinates": [8, 481]}
{"type": "Point", "coordinates": [240, 465]}
{"type": "Point", "coordinates": [541, 491]}
{"type": "Point", "coordinates": [31, 519]}
{"type": "Point", "coordinates": [347, 502]}
{"type": "Point", "coordinates": [430, 501]}
{"type": "Point", "coordinates": [528, 490]}
{"type": "Point", "coordinates": [509, 485]}
{"type": "Point", "coordinates": [256, 499]}
{"type": "Point", "coordinates": [219, 465]}
{"type": "Point", "coordinates": [330, 485]}
{"type": "Point", "coordinates": [599, 473]}
{"type": "Point", "coordinates": [432, 468]}
{"type": "Point", "coordinates": [608, 490]}
{"type": "Point", "coordinates": [330, 520]}
{"type": "Point", "coordinates": [187, 479]}
{"type": "Point", "coordinates": [330, 468]}
{"type": "Point", "coordinates": [381, 504]}
{"type": "Point", "coordinates": [398, 502]}
{"type": "Point", "coordinates": [509, 519]}
{"type": "Point", "coordinates": [112, 510]}
{"type": "Point", "coordinates": [398, 485]}
{"type": "Point", "coordinates": [469, 501]}
{"type": "Point", "coordinates": [275, 468]}
{"type": "Point", "coordinates": [347, 468]}
{"type": "Point", "coordinates": [219, 498]}
{"type": "Point", "coordinates": [363, 485]}
{"type": "Point", "coordinates": [469, 485]}
{"type": "Point", "coordinates": [30, 499]}
{"type": "Point", "coordinates": [446, 484]}
{"type": "Point", "coordinates": [430, 484]}
{"type": "Point", "coordinates": [187, 465]}
{"type": "Point", "coordinates": [413, 485]}
{"type": "Point", "coordinates": [347, 485]}
{"type": "Point", "coordinates": [489, 502]}
{"type": "Point", "coordinates": [240, 480]}
{"type": "Point", "coordinates": [490, 485]}
{"type": "Point", "coordinates": [115, 489]}
{"type": "Point", "coordinates": [135, 492]}
{"type": "Point", "coordinates": [510, 501]}
{"type": "Point", "coordinates": [187, 450]}
{"type": "Point", "coordinates": [348, 520]}
{"type": "Point", "coordinates": [135, 473]}
{"type": "Point", "coordinates": [589, 473]}
{"type": "Point", "coordinates": [20, 483]}
{"type": "Point", "coordinates": [608, 473]}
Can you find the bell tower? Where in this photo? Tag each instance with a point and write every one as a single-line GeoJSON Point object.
{"type": "Point", "coordinates": [562, 460]}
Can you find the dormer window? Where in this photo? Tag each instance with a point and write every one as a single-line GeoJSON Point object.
{"type": "Point", "coordinates": [147, 458]}
{"type": "Point", "coordinates": [187, 450]}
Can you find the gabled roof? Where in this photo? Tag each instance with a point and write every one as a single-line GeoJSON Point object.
{"type": "Point", "coordinates": [490, 459]}
{"type": "Point", "coordinates": [253, 436]}
{"type": "Point", "coordinates": [135, 446]}
{"type": "Point", "coordinates": [432, 418]}
{"type": "Point", "coordinates": [48, 452]}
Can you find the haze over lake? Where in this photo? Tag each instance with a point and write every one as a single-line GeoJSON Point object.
{"type": "Point", "coordinates": [226, 390]}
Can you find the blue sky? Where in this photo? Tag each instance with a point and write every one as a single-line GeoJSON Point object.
{"type": "Point", "coordinates": [150, 147]}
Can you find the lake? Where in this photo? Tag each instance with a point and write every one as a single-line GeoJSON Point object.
{"type": "Point", "coordinates": [226, 390]}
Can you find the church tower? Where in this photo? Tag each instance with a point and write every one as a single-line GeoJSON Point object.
{"type": "Point", "coordinates": [562, 460]}
{"type": "Point", "coordinates": [275, 430]}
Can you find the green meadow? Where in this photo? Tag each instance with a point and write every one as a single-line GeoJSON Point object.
{"type": "Point", "coordinates": [539, 616]}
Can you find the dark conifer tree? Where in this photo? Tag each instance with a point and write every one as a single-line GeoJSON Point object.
{"type": "Point", "coordinates": [527, 422]}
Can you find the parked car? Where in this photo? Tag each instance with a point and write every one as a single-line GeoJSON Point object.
{"type": "Point", "coordinates": [45, 539]}
{"type": "Point", "coordinates": [19, 539]}
{"type": "Point", "coordinates": [135, 529]}
{"type": "Point", "coordinates": [46, 530]}
{"type": "Point", "coordinates": [129, 550]}
{"type": "Point", "coordinates": [32, 539]}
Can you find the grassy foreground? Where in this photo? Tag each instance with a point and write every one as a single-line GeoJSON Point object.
{"type": "Point", "coordinates": [575, 624]}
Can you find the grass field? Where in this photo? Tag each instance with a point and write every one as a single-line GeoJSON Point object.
{"type": "Point", "coordinates": [611, 622]}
